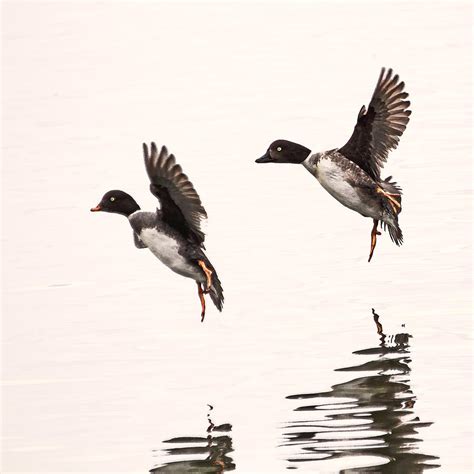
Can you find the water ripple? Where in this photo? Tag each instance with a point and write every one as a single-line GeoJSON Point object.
{"type": "Point", "coordinates": [200, 454]}
{"type": "Point", "coordinates": [366, 424]}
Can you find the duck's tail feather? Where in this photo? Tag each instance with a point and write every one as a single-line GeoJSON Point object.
{"type": "Point", "coordinates": [391, 210]}
{"type": "Point", "coordinates": [394, 230]}
{"type": "Point", "coordinates": [216, 292]}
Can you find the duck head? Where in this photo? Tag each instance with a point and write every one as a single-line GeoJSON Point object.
{"type": "Point", "coordinates": [118, 202]}
{"type": "Point", "coordinates": [284, 151]}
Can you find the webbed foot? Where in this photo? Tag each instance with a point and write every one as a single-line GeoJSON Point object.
{"type": "Point", "coordinates": [208, 274]}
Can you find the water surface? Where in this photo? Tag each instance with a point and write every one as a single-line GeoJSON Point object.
{"type": "Point", "coordinates": [104, 356]}
{"type": "Point", "coordinates": [204, 454]}
{"type": "Point", "coordinates": [369, 421]}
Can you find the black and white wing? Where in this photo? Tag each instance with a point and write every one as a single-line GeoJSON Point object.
{"type": "Point", "coordinates": [181, 206]}
{"type": "Point", "coordinates": [380, 126]}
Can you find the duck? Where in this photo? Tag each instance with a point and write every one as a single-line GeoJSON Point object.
{"type": "Point", "coordinates": [174, 232]}
{"type": "Point", "coordinates": [352, 173]}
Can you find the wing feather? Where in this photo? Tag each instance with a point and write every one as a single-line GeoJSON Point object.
{"type": "Point", "coordinates": [181, 206]}
{"type": "Point", "coordinates": [380, 126]}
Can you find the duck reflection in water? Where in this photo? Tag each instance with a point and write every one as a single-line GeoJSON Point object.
{"type": "Point", "coordinates": [187, 451]}
{"type": "Point", "coordinates": [366, 424]}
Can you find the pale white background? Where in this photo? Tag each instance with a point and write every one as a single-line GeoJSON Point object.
{"type": "Point", "coordinates": [103, 352]}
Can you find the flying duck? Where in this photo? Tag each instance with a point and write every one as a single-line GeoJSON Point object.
{"type": "Point", "coordinates": [172, 233]}
{"type": "Point", "coordinates": [351, 174]}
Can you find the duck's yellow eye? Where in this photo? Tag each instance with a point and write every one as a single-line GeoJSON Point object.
{"type": "Point", "coordinates": [112, 199]}
{"type": "Point", "coordinates": [279, 148]}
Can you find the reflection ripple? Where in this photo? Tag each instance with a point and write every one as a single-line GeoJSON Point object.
{"type": "Point", "coordinates": [199, 454]}
{"type": "Point", "coordinates": [366, 424]}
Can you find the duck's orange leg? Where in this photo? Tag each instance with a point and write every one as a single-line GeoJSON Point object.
{"type": "Point", "coordinates": [373, 238]}
{"type": "Point", "coordinates": [390, 196]}
{"type": "Point", "coordinates": [208, 274]}
{"type": "Point", "coordinates": [203, 301]}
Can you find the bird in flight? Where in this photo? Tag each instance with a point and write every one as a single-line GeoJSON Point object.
{"type": "Point", "coordinates": [172, 233]}
{"type": "Point", "coordinates": [351, 174]}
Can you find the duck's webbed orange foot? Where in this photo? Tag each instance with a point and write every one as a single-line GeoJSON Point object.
{"type": "Point", "coordinates": [373, 238]}
{"type": "Point", "coordinates": [208, 274]}
{"type": "Point", "coordinates": [203, 301]}
{"type": "Point", "coordinates": [396, 206]}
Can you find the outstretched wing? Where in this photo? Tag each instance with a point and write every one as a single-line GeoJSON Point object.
{"type": "Point", "coordinates": [379, 128]}
{"type": "Point", "coordinates": [180, 203]}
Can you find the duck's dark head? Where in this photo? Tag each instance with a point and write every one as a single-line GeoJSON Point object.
{"type": "Point", "coordinates": [118, 202]}
{"type": "Point", "coordinates": [283, 151]}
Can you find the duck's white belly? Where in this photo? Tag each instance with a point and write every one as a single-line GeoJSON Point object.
{"type": "Point", "coordinates": [334, 180]}
{"type": "Point", "coordinates": [166, 249]}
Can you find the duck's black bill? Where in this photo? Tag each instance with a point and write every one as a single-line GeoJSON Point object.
{"type": "Point", "coordinates": [264, 159]}
{"type": "Point", "coordinates": [96, 208]}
